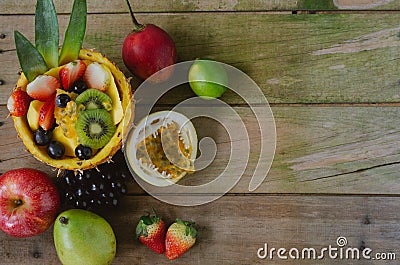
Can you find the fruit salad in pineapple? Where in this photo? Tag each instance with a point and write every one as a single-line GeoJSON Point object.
{"type": "Point", "coordinates": [69, 103]}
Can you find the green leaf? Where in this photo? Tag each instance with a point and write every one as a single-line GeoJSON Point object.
{"type": "Point", "coordinates": [193, 232]}
{"type": "Point", "coordinates": [146, 220]}
{"type": "Point", "coordinates": [75, 32]}
{"type": "Point", "coordinates": [139, 229]}
{"type": "Point", "coordinates": [187, 230]}
{"type": "Point", "coordinates": [46, 32]}
{"type": "Point", "coordinates": [189, 227]}
{"type": "Point", "coordinates": [30, 59]}
{"type": "Point", "coordinates": [155, 219]}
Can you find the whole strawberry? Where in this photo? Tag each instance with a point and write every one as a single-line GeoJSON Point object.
{"type": "Point", "coordinates": [151, 232]}
{"type": "Point", "coordinates": [18, 103]}
{"type": "Point", "coordinates": [181, 236]}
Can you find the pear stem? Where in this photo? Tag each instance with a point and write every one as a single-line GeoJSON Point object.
{"type": "Point", "coordinates": [136, 25]}
{"type": "Point", "coordinates": [63, 220]}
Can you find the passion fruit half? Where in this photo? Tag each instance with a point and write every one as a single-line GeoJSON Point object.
{"type": "Point", "coordinates": [161, 148]}
{"type": "Point", "coordinates": [102, 155]}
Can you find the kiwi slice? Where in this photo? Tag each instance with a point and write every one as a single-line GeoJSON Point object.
{"type": "Point", "coordinates": [95, 128]}
{"type": "Point", "coordinates": [94, 99]}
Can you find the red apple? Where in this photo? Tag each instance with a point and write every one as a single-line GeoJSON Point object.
{"type": "Point", "coordinates": [29, 202]}
{"type": "Point", "coordinates": [147, 50]}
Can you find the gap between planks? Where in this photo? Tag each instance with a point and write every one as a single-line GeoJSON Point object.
{"type": "Point", "coordinates": [264, 194]}
{"type": "Point", "coordinates": [266, 12]}
{"type": "Point", "coordinates": [336, 104]}
{"type": "Point", "coordinates": [316, 105]}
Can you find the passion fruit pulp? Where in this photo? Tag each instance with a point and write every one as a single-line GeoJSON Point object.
{"type": "Point", "coordinates": [162, 148]}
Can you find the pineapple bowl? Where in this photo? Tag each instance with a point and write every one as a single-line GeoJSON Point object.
{"type": "Point", "coordinates": [69, 103]}
{"type": "Point", "coordinates": [71, 162]}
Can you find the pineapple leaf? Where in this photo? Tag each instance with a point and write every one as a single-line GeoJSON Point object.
{"type": "Point", "coordinates": [75, 32]}
{"type": "Point", "coordinates": [46, 32]}
{"type": "Point", "coordinates": [30, 59]}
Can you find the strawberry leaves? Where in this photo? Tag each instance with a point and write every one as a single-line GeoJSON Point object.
{"type": "Point", "coordinates": [151, 232]}
{"type": "Point", "coordinates": [180, 237]}
{"type": "Point", "coordinates": [46, 32]}
{"type": "Point", "coordinates": [189, 227]}
{"type": "Point", "coordinates": [141, 228]}
{"type": "Point", "coordinates": [145, 221]}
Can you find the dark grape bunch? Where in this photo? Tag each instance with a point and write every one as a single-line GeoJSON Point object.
{"type": "Point", "coordinates": [92, 189]}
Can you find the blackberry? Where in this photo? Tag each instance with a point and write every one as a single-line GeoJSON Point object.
{"type": "Point", "coordinates": [92, 189]}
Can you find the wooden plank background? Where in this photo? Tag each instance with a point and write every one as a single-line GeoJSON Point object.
{"type": "Point", "coordinates": [330, 70]}
{"type": "Point", "coordinates": [331, 58]}
{"type": "Point", "coordinates": [316, 151]}
{"type": "Point", "coordinates": [28, 6]}
{"type": "Point", "coordinates": [230, 234]}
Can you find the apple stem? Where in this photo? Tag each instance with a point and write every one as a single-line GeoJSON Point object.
{"type": "Point", "coordinates": [136, 25]}
{"type": "Point", "coordinates": [18, 202]}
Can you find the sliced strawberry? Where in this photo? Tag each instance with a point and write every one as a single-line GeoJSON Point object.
{"type": "Point", "coordinates": [97, 76]}
{"type": "Point", "coordinates": [46, 114]}
{"type": "Point", "coordinates": [42, 87]}
{"type": "Point", "coordinates": [71, 72]}
{"type": "Point", "coordinates": [18, 103]}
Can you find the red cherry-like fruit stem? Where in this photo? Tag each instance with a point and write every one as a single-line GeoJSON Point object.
{"type": "Point", "coordinates": [136, 25]}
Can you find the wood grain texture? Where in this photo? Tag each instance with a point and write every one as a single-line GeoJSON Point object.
{"type": "Point", "coordinates": [336, 150]}
{"type": "Point", "coordinates": [241, 223]}
{"type": "Point", "coordinates": [28, 7]}
{"type": "Point", "coordinates": [333, 81]}
{"type": "Point", "coordinates": [293, 58]}
{"type": "Point", "coordinates": [365, 4]}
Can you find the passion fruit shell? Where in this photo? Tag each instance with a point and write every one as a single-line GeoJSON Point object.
{"type": "Point", "coordinates": [161, 148]}
{"type": "Point", "coordinates": [104, 154]}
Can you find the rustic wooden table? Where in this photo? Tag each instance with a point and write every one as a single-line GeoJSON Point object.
{"type": "Point", "coordinates": [332, 77]}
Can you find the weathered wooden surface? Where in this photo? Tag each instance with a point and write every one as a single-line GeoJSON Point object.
{"type": "Point", "coordinates": [293, 58]}
{"type": "Point", "coordinates": [335, 150]}
{"type": "Point", "coordinates": [333, 81]}
{"type": "Point", "coordinates": [233, 228]}
{"type": "Point", "coordinates": [28, 6]}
